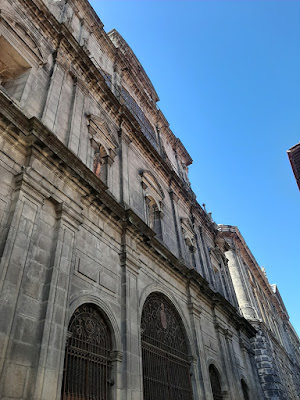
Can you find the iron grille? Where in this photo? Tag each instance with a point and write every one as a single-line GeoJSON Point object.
{"type": "Point", "coordinates": [106, 76]}
{"type": "Point", "coordinates": [145, 125]}
{"type": "Point", "coordinates": [215, 383]}
{"type": "Point", "coordinates": [166, 369]}
{"type": "Point", "coordinates": [87, 357]}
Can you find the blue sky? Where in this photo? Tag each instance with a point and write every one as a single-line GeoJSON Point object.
{"type": "Point", "coordinates": [228, 77]}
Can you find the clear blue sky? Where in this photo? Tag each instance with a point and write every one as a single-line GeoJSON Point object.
{"type": "Point", "coordinates": [228, 77]}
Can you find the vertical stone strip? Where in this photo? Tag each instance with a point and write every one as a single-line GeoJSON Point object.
{"type": "Point", "coordinates": [71, 113]}
{"type": "Point", "coordinates": [56, 320]}
{"type": "Point", "coordinates": [124, 173]}
{"type": "Point", "coordinates": [235, 377]}
{"type": "Point", "coordinates": [174, 200]}
{"type": "Point", "coordinates": [130, 322]}
{"type": "Point", "coordinates": [49, 114]}
{"type": "Point", "coordinates": [199, 384]}
{"type": "Point", "coordinates": [226, 362]}
{"type": "Point", "coordinates": [202, 270]}
{"type": "Point", "coordinates": [207, 258]}
{"type": "Point", "coordinates": [22, 233]}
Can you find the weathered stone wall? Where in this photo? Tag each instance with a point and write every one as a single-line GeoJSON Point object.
{"type": "Point", "coordinates": [70, 236]}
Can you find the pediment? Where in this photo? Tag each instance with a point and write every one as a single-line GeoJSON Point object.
{"type": "Point", "coordinates": [188, 232]}
{"type": "Point", "coordinates": [19, 28]}
{"type": "Point", "coordinates": [187, 227]}
{"type": "Point", "coordinates": [151, 185]}
{"type": "Point", "coordinates": [100, 132]}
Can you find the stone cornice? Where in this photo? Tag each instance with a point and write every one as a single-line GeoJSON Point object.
{"type": "Point", "coordinates": [133, 62]}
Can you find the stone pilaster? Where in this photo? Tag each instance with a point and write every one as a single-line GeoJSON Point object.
{"type": "Point", "coordinates": [50, 365]}
{"type": "Point", "coordinates": [206, 257]}
{"type": "Point", "coordinates": [226, 363]}
{"type": "Point", "coordinates": [130, 323]}
{"type": "Point", "coordinates": [200, 386]}
{"type": "Point", "coordinates": [18, 323]}
{"type": "Point", "coordinates": [124, 143]}
{"type": "Point", "coordinates": [234, 373]}
{"type": "Point", "coordinates": [174, 200]}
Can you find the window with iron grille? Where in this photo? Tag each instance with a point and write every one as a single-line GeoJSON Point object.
{"type": "Point", "coordinates": [87, 358]}
{"type": "Point", "coordinates": [215, 383]}
{"type": "Point", "coordinates": [166, 368]}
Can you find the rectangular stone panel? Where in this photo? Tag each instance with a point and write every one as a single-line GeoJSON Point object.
{"type": "Point", "coordinates": [109, 280]}
{"type": "Point", "coordinates": [86, 266]}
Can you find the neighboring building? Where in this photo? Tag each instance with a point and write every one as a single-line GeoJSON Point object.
{"type": "Point", "coordinates": [276, 344]}
{"type": "Point", "coordinates": [294, 157]}
{"type": "Point", "coordinates": [114, 282]}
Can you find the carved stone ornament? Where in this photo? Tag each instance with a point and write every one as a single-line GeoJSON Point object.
{"type": "Point", "coordinates": [188, 233]}
{"type": "Point", "coordinates": [32, 45]}
{"type": "Point", "coordinates": [152, 189]}
{"type": "Point", "coordinates": [100, 134]}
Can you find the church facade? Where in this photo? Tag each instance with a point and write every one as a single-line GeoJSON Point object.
{"type": "Point", "coordinates": [114, 282]}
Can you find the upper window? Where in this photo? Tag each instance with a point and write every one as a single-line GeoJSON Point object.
{"type": "Point", "coordinates": [103, 147]}
{"type": "Point", "coordinates": [154, 196]}
{"type": "Point", "coordinates": [14, 70]}
{"type": "Point", "coordinates": [145, 125]}
{"type": "Point", "coordinates": [153, 215]}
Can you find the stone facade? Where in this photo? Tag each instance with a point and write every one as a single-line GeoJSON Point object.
{"type": "Point", "coordinates": [97, 216]}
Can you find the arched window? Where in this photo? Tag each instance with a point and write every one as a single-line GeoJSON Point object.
{"type": "Point", "coordinates": [245, 390]}
{"type": "Point", "coordinates": [154, 197]}
{"type": "Point", "coordinates": [189, 239]}
{"type": "Point", "coordinates": [87, 357]}
{"type": "Point", "coordinates": [215, 383]}
{"type": "Point", "coordinates": [103, 147]}
{"type": "Point", "coordinates": [153, 215]}
{"type": "Point", "coordinates": [166, 368]}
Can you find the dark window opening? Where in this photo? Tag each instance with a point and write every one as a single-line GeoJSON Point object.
{"type": "Point", "coordinates": [215, 383]}
{"type": "Point", "coordinates": [153, 216]}
{"type": "Point", "coordinates": [245, 390]}
{"type": "Point", "coordinates": [166, 368]}
{"type": "Point", "coordinates": [14, 70]}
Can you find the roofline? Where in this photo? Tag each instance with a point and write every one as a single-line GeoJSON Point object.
{"type": "Point", "coordinates": [141, 69]}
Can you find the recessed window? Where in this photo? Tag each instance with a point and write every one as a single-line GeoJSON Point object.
{"type": "Point", "coordinates": [14, 70]}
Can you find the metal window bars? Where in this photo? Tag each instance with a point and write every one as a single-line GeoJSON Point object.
{"type": "Point", "coordinates": [133, 107]}
{"type": "Point", "coordinates": [166, 368]}
{"type": "Point", "coordinates": [87, 359]}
